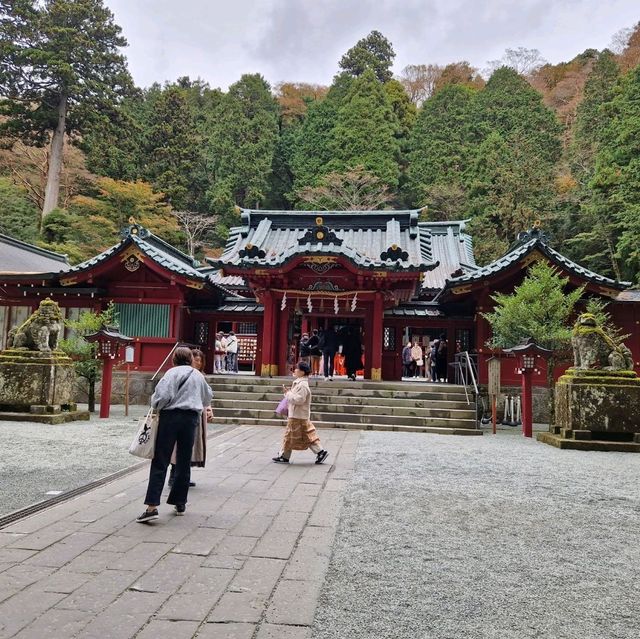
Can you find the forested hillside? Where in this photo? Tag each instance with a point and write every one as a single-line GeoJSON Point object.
{"type": "Point", "coordinates": [83, 149]}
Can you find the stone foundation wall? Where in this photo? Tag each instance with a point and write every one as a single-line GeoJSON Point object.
{"type": "Point", "coordinates": [540, 402]}
{"type": "Point", "coordinates": [140, 388]}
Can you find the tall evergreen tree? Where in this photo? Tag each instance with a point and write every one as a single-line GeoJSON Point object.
{"type": "Point", "coordinates": [617, 176]}
{"type": "Point", "coordinates": [172, 149]}
{"type": "Point", "coordinates": [366, 132]}
{"type": "Point", "coordinates": [244, 136]}
{"type": "Point", "coordinates": [440, 152]}
{"type": "Point", "coordinates": [373, 53]}
{"type": "Point", "coordinates": [60, 68]}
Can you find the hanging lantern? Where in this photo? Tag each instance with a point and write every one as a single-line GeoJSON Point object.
{"type": "Point", "coordinates": [309, 304]}
{"type": "Point", "coordinates": [354, 302]}
{"type": "Point", "coordinates": [284, 301]}
{"type": "Point", "coordinates": [335, 305]}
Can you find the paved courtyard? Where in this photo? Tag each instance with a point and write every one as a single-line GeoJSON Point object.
{"type": "Point", "coordinates": [400, 535]}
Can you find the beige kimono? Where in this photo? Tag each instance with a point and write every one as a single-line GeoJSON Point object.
{"type": "Point", "coordinates": [299, 433]}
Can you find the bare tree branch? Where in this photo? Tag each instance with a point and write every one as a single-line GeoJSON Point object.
{"type": "Point", "coordinates": [195, 225]}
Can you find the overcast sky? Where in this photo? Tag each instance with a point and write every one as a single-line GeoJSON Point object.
{"type": "Point", "coordinates": [303, 40]}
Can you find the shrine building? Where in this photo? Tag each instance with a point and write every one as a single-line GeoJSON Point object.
{"type": "Point", "coordinates": [386, 273]}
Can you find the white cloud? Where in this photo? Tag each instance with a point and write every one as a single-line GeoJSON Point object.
{"type": "Point", "coordinates": [303, 40]}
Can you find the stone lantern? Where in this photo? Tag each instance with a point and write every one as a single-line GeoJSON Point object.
{"type": "Point", "coordinates": [529, 355]}
{"type": "Point", "coordinates": [110, 350]}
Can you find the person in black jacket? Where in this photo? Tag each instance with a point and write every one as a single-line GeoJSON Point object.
{"type": "Point", "coordinates": [314, 352]}
{"type": "Point", "coordinates": [352, 351]}
{"type": "Point", "coordinates": [329, 348]}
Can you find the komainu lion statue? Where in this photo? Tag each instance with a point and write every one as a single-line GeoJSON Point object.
{"type": "Point", "coordinates": [594, 349]}
{"type": "Point", "coordinates": [41, 331]}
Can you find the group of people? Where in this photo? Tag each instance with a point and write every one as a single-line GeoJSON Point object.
{"type": "Point", "coordinates": [182, 400]}
{"type": "Point", "coordinates": [430, 363]}
{"type": "Point", "coordinates": [323, 346]}
{"type": "Point", "coordinates": [225, 354]}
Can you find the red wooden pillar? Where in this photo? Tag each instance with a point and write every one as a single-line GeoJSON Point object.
{"type": "Point", "coordinates": [527, 403]}
{"type": "Point", "coordinates": [268, 332]}
{"type": "Point", "coordinates": [105, 392]}
{"type": "Point", "coordinates": [377, 320]}
{"type": "Point", "coordinates": [282, 345]}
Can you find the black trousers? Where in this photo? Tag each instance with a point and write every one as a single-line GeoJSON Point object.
{"type": "Point", "coordinates": [328, 363]}
{"type": "Point", "coordinates": [175, 427]}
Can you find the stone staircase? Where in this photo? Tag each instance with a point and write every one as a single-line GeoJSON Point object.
{"type": "Point", "coordinates": [360, 405]}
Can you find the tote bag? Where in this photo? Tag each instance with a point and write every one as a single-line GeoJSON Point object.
{"type": "Point", "coordinates": [144, 443]}
{"type": "Point", "coordinates": [283, 407]}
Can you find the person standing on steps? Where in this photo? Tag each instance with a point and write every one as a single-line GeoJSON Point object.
{"type": "Point", "coordinates": [352, 351]}
{"type": "Point", "coordinates": [180, 397]}
{"type": "Point", "coordinates": [218, 353]}
{"type": "Point", "coordinates": [407, 361]}
{"type": "Point", "coordinates": [329, 348]}
{"type": "Point", "coordinates": [315, 353]}
{"type": "Point", "coordinates": [232, 353]}
{"type": "Point", "coordinates": [300, 433]}
{"type": "Point", "coordinates": [305, 351]}
{"type": "Point", "coordinates": [199, 454]}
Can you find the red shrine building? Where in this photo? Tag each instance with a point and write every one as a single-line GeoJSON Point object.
{"type": "Point", "coordinates": [387, 274]}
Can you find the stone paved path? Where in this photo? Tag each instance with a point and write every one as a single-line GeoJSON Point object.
{"type": "Point", "coordinates": [257, 536]}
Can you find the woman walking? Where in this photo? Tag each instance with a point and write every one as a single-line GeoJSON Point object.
{"type": "Point", "coordinates": [199, 453]}
{"type": "Point", "coordinates": [300, 433]}
{"type": "Point", "coordinates": [180, 397]}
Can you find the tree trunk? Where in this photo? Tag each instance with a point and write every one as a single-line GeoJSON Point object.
{"type": "Point", "coordinates": [91, 400]}
{"type": "Point", "coordinates": [52, 190]}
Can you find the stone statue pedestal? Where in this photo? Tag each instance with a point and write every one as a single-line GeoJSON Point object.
{"type": "Point", "coordinates": [37, 386]}
{"type": "Point", "coordinates": [596, 410]}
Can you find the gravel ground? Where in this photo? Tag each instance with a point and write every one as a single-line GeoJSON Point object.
{"type": "Point", "coordinates": [40, 457]}
{"type": "Point", "coordinates": [492, 537]}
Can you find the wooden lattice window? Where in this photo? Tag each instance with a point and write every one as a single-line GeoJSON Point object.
{"type": "Point", "coordinates": [389, 338]}
{"type": "Point", "coordinates": [201, 333]}
{"type": "Point", "coordinates": [247, 328]}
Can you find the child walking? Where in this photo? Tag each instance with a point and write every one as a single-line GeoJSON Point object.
{"type": "Point", "coordinates": [300, 433]}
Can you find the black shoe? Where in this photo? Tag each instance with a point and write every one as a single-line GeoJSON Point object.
{"type": "Point", "coordinates": [192, 484]}
{"type": "Point", "coordinates": [280, 460]}
{"type": "Point", "coordinates": [148, 515]}
{"type": "Point", "coordinates": [180, 509]}
{"type": "Point", "coordinates": [321, 456]}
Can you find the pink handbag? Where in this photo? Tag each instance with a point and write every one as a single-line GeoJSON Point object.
{"type": "Point", "coordinates": [283, 407]}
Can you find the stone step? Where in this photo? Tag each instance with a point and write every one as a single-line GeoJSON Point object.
{"type": "Point", "coordinates": [436, 429]}
{"type": "Point", "coordinates": [275, 397]}
{"type": "Point", "coordinates": [216, 380]}
{"type": "Point", "coordinates": [356, 409]}
{"type": "Point", "coordinates": [427, 395]}
{"type": "Point", "coordinates": [318, 416]}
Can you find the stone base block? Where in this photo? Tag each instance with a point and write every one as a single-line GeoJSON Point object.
{"type": "Point", "coordinates": [46, 418]}
{"type": "Point", "coordinates": [598, 404]}
{"type": "Point", "coordinates": [31, 378]}
{"type": "Point", "coordinates": [590, 444]}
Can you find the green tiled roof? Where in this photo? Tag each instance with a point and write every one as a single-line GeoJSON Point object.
{"type": "Point", "coordinates": [530, 241]}
{"type": "Point", "coordinates": [152, 246]}
{"type": "Point", "coordinates": [272, 238]}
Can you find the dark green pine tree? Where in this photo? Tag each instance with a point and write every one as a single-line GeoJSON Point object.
{"type": "Point", "coordinates": [585, 231]}
{"type": "Point", "coordinates": [373, 53]}
{"type": "Point", "coordinates": [244, 134]}
{"type": "Point", "coordinates": [171, 148]}
{"type": "Point", "coordinates": [60, 69]}
{"type": "Point", "coordinates": [441, 149]}
{"type": "Point", "coordinates": [509, 106]}
{"type": "Point", "coordinates": [366, 132]}
{"type": "Point", "coordinates": [312, 150]}
{"type": "Point", "coordinates": [616, 181]}
{"type": "Point", "coordinates": [512, 182]}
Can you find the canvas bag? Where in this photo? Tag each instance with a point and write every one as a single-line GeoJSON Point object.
{"type": "Point", "coordinates": [144, 443]}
